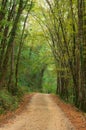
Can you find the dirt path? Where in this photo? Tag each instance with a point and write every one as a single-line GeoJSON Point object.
{"type": "Point", "coordinates": [41, 114]}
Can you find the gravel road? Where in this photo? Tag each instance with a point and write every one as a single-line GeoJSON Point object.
{"type": "Point", "coordinates": [40, 114]}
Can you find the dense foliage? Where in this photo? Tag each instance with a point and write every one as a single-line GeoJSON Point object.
{"type": "Point", "coordinates": [42, 48]}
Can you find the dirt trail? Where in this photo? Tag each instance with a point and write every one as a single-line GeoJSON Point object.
{"type": "Point", "coordinates": [41, 114]}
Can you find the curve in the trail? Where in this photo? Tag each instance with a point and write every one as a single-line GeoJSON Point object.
{"type": "Point", "coordinates": [41, 114]}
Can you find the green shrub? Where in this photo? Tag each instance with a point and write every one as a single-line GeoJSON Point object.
{"type": "Point", "coordinates": [24, 89]}
{"type": "Point", "coordinates": [10, 102]}
{"type": "Point", "coordinates": [21, 91]}
{"type": "Point", "coordinates": [7, 101]}
{"type": "Point", "coordinates": [1, 110]}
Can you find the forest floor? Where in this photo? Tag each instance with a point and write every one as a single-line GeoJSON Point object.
{"type": "Point", "coordinates": [43, 112]}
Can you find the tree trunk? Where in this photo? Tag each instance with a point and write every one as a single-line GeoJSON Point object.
{"type": "Point", "coordinates": [20, 46]}
{"type": "Point", "coordinates": [11, 85]}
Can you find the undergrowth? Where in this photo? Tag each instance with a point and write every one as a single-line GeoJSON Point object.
{"type": "Point", "coordinates": [8, 102]}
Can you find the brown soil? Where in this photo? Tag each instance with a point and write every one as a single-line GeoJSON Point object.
{"type": "Point", "coordinates": [42, 113]}
{"type": "Point", "coordinates": [75, 116]}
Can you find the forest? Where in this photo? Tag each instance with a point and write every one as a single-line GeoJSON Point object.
{"type": "Point", "coordinates": [42, 49]}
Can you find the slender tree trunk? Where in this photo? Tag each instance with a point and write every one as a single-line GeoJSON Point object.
{"type": "Point", "coordinates": [11, 85]}
{"type": "Point", "coordinates": [82, 39]}
{"type": "Point", "coordinates": [20, 47]}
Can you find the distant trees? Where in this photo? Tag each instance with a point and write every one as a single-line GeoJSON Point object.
{"type": "Point", "coordinates": [38, 60]}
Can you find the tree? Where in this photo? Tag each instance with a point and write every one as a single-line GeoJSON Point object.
{"type": "Point", "coordinates": [11, 13]}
